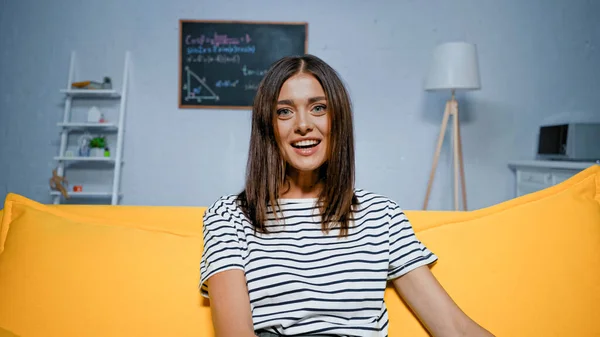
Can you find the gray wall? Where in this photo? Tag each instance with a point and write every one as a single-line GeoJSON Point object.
{"type": "Point", "coordinates": [539, 60]}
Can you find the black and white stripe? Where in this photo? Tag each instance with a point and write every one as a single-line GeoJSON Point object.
{"type": "Point", "coordinates": [302, 281]}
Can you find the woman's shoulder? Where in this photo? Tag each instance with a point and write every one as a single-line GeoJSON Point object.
{"type": "Point", "coordinates": [367, 198]}
{"type": "Point", "coordinates": [225, 206]}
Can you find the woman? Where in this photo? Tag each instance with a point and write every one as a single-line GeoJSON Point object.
{"type": "Point", "coordinates": [317, 262]}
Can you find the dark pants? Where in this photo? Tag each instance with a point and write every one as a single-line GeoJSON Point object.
{"type": "Point", "coordinates": [266, 334]}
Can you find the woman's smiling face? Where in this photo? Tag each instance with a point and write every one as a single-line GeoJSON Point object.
{"type": "Point", "coordinates": [303, 123]}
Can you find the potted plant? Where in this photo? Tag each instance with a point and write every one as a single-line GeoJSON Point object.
{"type": "Point", "coordinates": [97, 146]}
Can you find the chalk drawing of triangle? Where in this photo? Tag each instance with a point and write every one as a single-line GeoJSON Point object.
{"type": "Point", "coordinates": [200, 90]}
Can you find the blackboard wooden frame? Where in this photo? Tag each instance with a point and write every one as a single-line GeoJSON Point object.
{"type": "Point", "coordinates": [180, 59]}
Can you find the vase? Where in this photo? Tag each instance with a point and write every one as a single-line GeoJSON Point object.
{"type": "Point", "coordinates": [96, 152]}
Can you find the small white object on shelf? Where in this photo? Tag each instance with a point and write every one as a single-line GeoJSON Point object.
{"type": "Point", "coordinates": [94, 115]}
{"type": "Point", "coordinates": [97, 152]}
{"type": "Point", "coordinates": [95, 121]}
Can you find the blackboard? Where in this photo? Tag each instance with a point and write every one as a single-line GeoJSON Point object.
{"type": "Point", "coordinates": [222, 62]}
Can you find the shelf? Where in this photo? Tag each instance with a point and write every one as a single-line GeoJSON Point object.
{"type": "Point", "coordinates": [100, 93]}
{"type": "Point", "coordinates": [104, 126]}
{"type": "Point", "coordinates": [84, 194]}
{"type": "Point", "coordinates": [73, 123]}
{"type": "Point", "coordinates": [93, 159]}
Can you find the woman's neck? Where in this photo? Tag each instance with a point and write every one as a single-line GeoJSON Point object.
{"type": "Point", "coordinates": [301, 185]}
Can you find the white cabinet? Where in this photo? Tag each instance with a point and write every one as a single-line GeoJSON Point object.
{"type": "Point", "coordinates": [534, 175]}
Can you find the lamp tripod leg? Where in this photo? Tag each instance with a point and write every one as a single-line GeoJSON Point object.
{"type": "Point", "coordinates": [437, 153]}
{"type": "Point", "coordinates": [460, 163]}
{"type": "Point", "coordinates": [455, 158]}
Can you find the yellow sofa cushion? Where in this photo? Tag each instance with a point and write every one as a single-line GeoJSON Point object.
{"type": "Point", "coordinates": [65, 274]}
{"type": "Point", "coordinates": [526, 267]}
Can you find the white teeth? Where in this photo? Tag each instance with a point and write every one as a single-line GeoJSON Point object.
{"type": "Point", "coordinates": [306, 143]}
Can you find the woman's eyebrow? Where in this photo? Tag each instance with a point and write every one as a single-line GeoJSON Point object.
{"type": "Point", "coordinates": [286, 102]}
{"type": "Point", "coordinates": [310, 100]}
{"type": "Point", "coordinates": [316, 99]}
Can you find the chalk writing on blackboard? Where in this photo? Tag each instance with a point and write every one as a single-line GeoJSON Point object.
{"type": "Point", "coordinates": [222, 63]}
{"type": "Point", "coordinates": [197, 89]}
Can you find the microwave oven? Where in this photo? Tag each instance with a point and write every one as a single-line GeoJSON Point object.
{"type": "Point", "coordinates": [570, 141]}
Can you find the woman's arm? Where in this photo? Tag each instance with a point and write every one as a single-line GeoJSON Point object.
{"type": "Point", "coordinates": [434, 307]}
{"type": "Point", "coordinates": [230, 304]}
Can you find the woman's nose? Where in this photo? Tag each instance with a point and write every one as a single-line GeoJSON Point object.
{"type": "Point", "coordinates": [303, 123]}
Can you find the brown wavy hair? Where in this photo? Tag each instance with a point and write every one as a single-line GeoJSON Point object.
{"type": "Point", "coordinates": [265, 171]}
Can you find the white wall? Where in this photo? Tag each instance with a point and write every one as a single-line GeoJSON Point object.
{"type": "Point", "coordinates": [539, 59]}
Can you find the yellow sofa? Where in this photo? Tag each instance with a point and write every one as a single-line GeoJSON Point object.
{"type": "Point", "coordinates": [526, 267]}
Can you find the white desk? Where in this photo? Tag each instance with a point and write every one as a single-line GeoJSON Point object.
{"type": "Point", "coordinates": [535, 175]}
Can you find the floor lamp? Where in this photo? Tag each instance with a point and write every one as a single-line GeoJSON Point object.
{"type": "Point", "coordinates": [454, 67]}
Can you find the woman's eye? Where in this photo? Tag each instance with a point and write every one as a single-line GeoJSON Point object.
{"type": "Point", "coordinates": [320, 109]}
{"type": "Point", "coordinates": [283, 112]}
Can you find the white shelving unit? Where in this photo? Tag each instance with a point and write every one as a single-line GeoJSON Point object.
{"type": "Point", "coordinates": [112, 192]}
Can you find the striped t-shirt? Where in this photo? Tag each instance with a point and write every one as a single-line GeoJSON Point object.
{"type": "Point", "coordinates": [302, 281]}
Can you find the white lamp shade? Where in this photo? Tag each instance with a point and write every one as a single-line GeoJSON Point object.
{"type": "Point", "coordinates": [454, 66]}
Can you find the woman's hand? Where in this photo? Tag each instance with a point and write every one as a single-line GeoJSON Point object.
{"type": "Point", "coordinates": [230, 304]}
{"type": "Point", "coordinates": [434, 307]}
